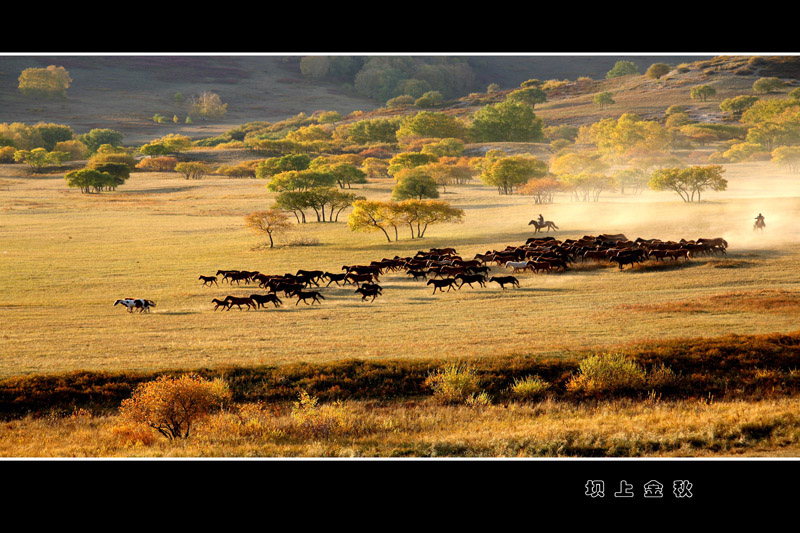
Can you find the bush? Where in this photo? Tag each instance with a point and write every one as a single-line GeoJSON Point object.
{"type": "Point", "coordinates": [171, 405]}
{"type": "Point", "coordinates": [530, 387]}
{"type": "Point", "coordinates": [454, 383]}
{"type": "Point", "coordinates": [157, 164]}
{"type": "Point", "coordinates": [610, 372]}
{"type": "Point", "coordinates": [314, 420]}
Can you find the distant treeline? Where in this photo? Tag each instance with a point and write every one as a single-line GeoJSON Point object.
{"type": "Point", "coordinates": [731, 366]}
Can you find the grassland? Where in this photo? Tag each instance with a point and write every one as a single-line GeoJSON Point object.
{"type": "Point", "coordinates": [65, 257]}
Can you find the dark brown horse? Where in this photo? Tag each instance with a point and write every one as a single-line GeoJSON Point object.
{"type": "Point", "coordinates": [313, 295]}
{"type": "Point", "coordinates": [220, 303]}
{"type": "Point", "coordinates": [440, 283]}
{"type": "Point", "coordinates": [209, 280]}
{"type": "Point", "coordinates": [505, 280]}
{"type": "Point", "coordinates": [263, 299]}
{"type": "Point", "coordinates": [239, 302]}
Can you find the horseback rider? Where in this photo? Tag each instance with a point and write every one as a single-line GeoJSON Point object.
{"type": "Point", "coordinates": [760, 220]}
{"type": "Point", "coordinates": [541, 220]}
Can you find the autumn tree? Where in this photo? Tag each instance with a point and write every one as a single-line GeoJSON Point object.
{"type": "Point", "coordinates": [530, 96]}
{"type": "Point", "coordinates": [193, 170]}
{"type": "Point", "coordinates": [49, 82]}
{"type": "Point", "coordinates": [788, 156]}
{"type": "Point", "coordinates": [172, 405]}
{"type": "Point", "coordinates": [542, 189]}
{"type": "Point", "coordinates": [690, 182]}
{"type": "Point", "coordinates": [657, 70]}
{"type": "Point", "coordinates": [406, 160]}
{"type": "Point", "coordinates": [587, 186]}
{"type": "Point", "coordinates": [301, 180]}
{"type": "Point", "coordinates": [419, 214]}
{"type": "Point", "coordinates": [207, 106]}
{"type": "Point", "coordinates": [270, 222]}
{"type": "Point", "coordinates": [427, 124]}
{"type": "Point", "coordinates": [370, 215]}
{"type": "Point", "coordinates": [737, 105]}
{"type": "Point", "coordinates": [275, 165]}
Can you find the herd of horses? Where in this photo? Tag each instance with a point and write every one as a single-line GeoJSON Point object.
{"type": "Point", "coordinates": [445, 270]}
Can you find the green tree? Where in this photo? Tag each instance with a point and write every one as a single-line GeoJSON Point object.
{"type": "Point", "coordinates": [603, 99]}
{"type": "Point", "coordinates": [119, 171]}
{"type": "Point", "coordinates": [406, 160]}
{"type": "Point", "coordinates": [52, 134]}
{"type": "Point", "coordinates": [275, 165]}
{"type": "Point", "coordinates": [530, 96]}
{"type": "Point", "coordinates": [507, 122]}
{"type": "Point", "coordinates": [427, 124]}
{"type": "Point", "coordinates": [39, 158]}
{"type": "Point", "coordinates": [508, 172]}
{"type": "Point", "coordinates": [429, 99]}
{"type": "Point", "coordinates": [49, 82]}
{"type": "Point", "coordinates": [622, 68]}
{"type": "Point", "coordinates": [690, 182]}
{"type": "Point", "coordinates": [100, 136]}
{"type": "Point", "coordinates": [445, 148]}
{"type": "Point", "coordinates": [301, 180]}
{"type": "Point", "coordinates": [414, 183]}
{"type": "Point", "coordinates": [379, 130]}
{"type": "Point", "coordinates": [768, 85]}
{"type": "Point", "coordinates": [737, 105]}
{"type": "Point", "coordinates": [702, 92]}
{"type": "Point", "coordinates": [88, 180]}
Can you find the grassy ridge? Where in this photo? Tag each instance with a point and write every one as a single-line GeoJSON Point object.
{"type": "Point", "coordinates": [730, 366]}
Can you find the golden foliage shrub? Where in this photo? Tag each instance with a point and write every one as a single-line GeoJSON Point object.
{"type": "Point", "coordinates": [171, 405]}
{"type": "Point", "coordinates": [454, 383]}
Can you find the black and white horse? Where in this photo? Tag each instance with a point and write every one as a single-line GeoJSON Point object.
{"type": "Point", "coordinates": [136, 303]}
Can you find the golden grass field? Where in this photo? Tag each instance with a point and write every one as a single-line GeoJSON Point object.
{"type": "Point", "coordinates": [66, 256]}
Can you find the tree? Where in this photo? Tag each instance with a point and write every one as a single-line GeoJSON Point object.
{"type": "Point", "coordinates": [429, 99]}
{"type": "Point", "coordinates": [603, 99]}
{"type": "Point", "coordinates": [702, 92]}
{"type": "Point", "coordinates": [530, 96]}
{"type": "Point", "coordinates": [507, 172]}
{"type": "Point", "coordinates": [788, 156]}
{"type": "Point", "coordinates": [622, 68]}
{"type": "Point", "coordinates": [52, 134]}
{"type": "Point", "coordinates": [370, 215]}
{"type": "Point", "coordinates": [48, 82]}
{"type": "Point", "coordinates": [88, 180]}
{"type": "Point", "coordinates": [632, 178]}
{"type": "Point", "coordinates": [193, 170]}
{"type": "Point", "coordinates": [768, 85]}
{"type": "Point", "coordinates": [542, 189]}
{"type": "Point", "coordinates": [507, 122]}
{"type": "Point", "coordinates": [39, 158]}
{"type": "Point", "coordinates": [445, 148]}
{"type": "Point", "coordinates": [587, 186]}
{"type": "Point", "coordinates": [301, 180]}
{"type": "Point", "coordinates": [172, 405]}
{"type": "Point", "coordinates": [270, 222]}
{"type": "Point", "coordinates": [414, 183]}
{"type": "Point", "coordinates": [275, 165]}
{"type": "Point", "coordinates": [119, 171]}
{"type": "Point", "coordinates": [379, 130]}
{"type": "Point", "coordinates": [737, 105]}
{"type": "Point", "coordinates": [345, 174]}
{"type": "Point", "coordinates": [657, 70]}
{"type": "Point", "coordinates": [420, 214]}
{"type": "Point", "coordinates": [406, 160]}
{"type": "Point", "coordinates": [100, 136]}
{"type": "Point", "coordinates": [207, 106]}
{"type": "Point", "coordinates": [427, 124]}
{"type": "Point", "coordinates": [689, 183]}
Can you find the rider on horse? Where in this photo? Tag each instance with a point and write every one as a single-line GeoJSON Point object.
{"type": "Point", "coordinates": [759, 222]}
{"type": "Point", "coordinates": [541, 220]}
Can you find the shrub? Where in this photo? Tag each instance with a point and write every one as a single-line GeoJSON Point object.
{"type": "Point", "coordinates": [610, 372]}
{"type": "Point", "coordinates": [75, 149]}
{"type": "Point", "coordinates": [529, 387]}
{"type": "Point", "coordinates": [157, 164]}
{"type": "Point", "coordinates": [171, 405]}
{"type": "Point", "coordinates": [314, 420]}
{"type": "Point", "coordinates": [454, 383]}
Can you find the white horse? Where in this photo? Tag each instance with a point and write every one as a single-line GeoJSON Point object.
{"type": "Point", "coordinates": [136, 303]}
{"type": "Point", "coordinates": [517, 265]}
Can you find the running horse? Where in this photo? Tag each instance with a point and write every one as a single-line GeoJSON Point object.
{"type": "Point", "coordinates": [539, 227]}
{"type": "Point", "coordinates": [759, 225]}
{"type": "Point", "coordinates": [136, 303]}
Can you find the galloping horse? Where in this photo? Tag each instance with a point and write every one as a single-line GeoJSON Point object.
{"type": "Point", "coordinates": [539, 227]}
{"type": "Point", "coordinates": [759, 225]}
{"type": "Point", "coordinates": [136, 303]}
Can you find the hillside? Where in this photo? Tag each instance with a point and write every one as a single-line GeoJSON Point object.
{"type": "Point", "coordinates": [124, 92]}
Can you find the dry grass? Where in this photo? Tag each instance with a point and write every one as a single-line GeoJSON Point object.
{"type": "Point", "coordinates": [66, 257]}
{"type": "Point", "coordinates": [428, 429]}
